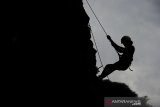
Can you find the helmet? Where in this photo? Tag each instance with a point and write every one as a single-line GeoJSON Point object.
{"type": "Point", "coordinates": [126, 40]}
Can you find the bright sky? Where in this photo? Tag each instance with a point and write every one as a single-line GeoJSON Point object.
{"type": "Point", "coordinates": [140, 19]}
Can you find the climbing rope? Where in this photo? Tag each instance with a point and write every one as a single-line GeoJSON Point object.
{"type": "Point", "coordinates": [99, 22]}
{"type": "Point", "coordinates": [96, 17]}
{"type": "Point", "coordinates": [96, 48]}
{"type": "Point", "coordinates": [93, 35]}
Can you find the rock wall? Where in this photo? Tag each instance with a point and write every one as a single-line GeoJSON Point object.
{"type": "Point", "coordinates": [49, 57]}
{"type": "Point", "coordinates": [48, 54]}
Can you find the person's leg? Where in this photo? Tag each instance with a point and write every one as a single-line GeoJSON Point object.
{"type": "Point", "coordinates": [107, 70]}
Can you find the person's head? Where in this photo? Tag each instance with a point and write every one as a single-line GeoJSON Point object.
{"type": "Point", "coordinates": [126, 41]}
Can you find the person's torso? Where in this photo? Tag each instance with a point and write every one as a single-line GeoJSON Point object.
{"type": "Point", "coordinates": [127, 56]}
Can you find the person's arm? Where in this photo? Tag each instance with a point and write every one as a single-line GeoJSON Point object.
{"type": "Point", "coordinates": [118, 48]}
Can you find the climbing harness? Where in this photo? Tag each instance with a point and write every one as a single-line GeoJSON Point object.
{"type": "Point", "coordinates": [95, 40]}
{"type": "Point", "coordinates": [119, 55]}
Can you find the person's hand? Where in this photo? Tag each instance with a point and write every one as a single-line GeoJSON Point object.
{"type": "Point", "coordinates": [108, 37]}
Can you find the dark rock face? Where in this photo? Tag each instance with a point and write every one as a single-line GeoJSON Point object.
{"type": "Point", "coordinates": [45, 59]}
{"type": "Point", "coordinates": [115, 89]}
{"type": "Point", "coordinates": [48, 62]}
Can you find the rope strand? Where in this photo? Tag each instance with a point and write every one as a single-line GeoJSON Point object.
{"type": "Point", "coordinates": [93, 35]}
{"type": "Point", "coordinates": [96, 17]}
{"type": "Point", "coordinates": [97, 50]}
{"type": "Point", "coordinates": [96, 47]}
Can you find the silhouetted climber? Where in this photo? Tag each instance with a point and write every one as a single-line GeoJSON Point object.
{"type": "Point", "coordinates": [125, 59]}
